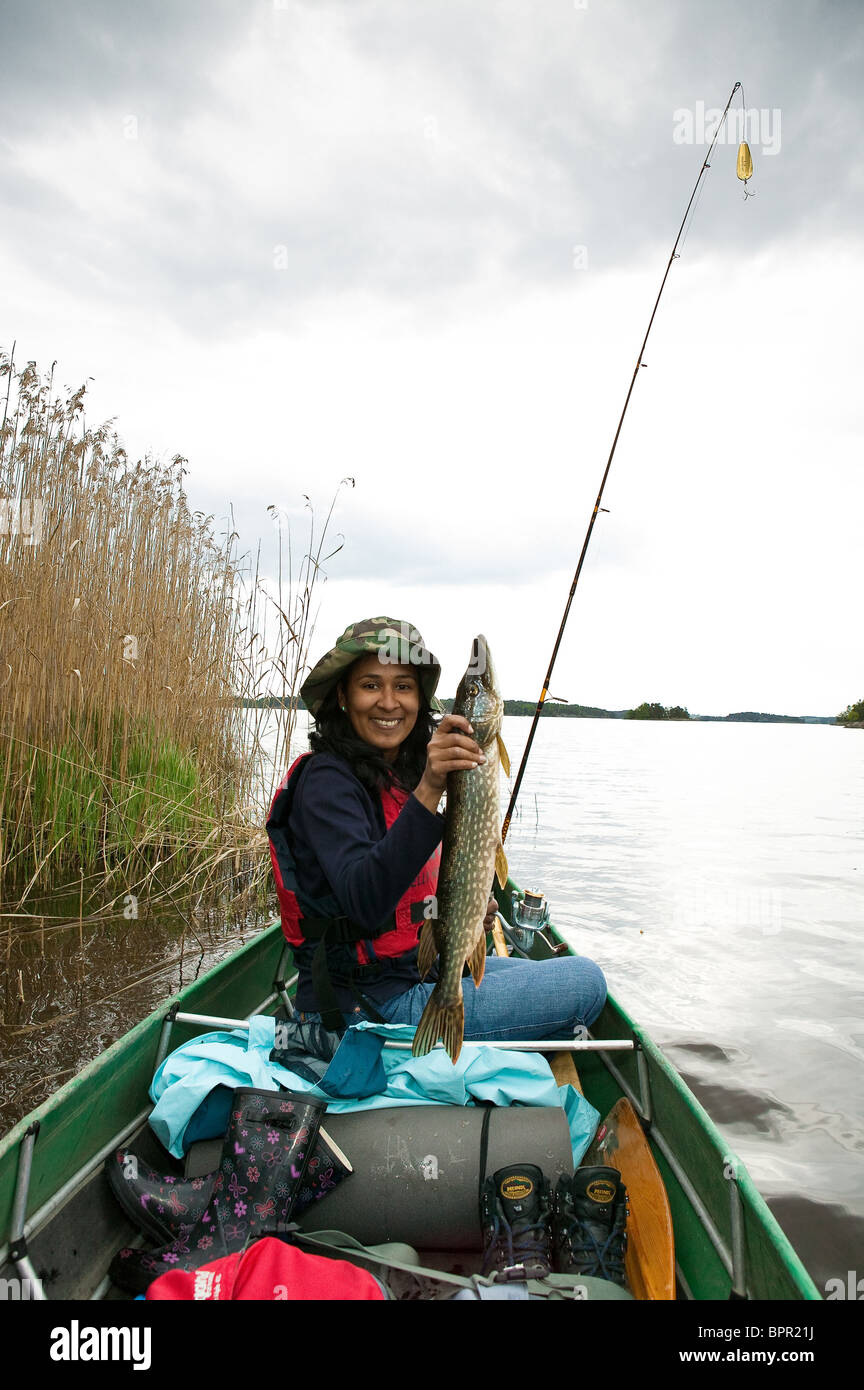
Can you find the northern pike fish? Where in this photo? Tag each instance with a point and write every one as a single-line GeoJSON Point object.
{"type": "Point", "coordinates": [472, 853]}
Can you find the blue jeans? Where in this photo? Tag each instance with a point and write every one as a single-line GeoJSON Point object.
{"type": "Point", "coordinates": [530, 999]}
{"type": "Point", "coordinates": [518, 998]}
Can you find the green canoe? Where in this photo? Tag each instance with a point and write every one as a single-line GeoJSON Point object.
{"type": "Point", "coordinates": [59, 1222]}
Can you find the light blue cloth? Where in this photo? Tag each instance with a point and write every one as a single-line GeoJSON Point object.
{"type": "Point", "coordinates": [482, 1073]}
{"type": "Point", "coordinates": [190, 1073]}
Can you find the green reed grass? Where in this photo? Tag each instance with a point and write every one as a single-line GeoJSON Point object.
{"type": "Point", "coordinates": [147, 794]}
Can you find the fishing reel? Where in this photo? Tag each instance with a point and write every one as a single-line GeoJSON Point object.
{"type": "Point", "coordinates": [530, 915]}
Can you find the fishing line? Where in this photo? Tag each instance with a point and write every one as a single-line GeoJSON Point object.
{"type": "Point", "coordinates": [689, 223]}
{"type": "Point", "coordinates": [743, 163]}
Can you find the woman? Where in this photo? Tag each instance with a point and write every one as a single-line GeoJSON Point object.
{"type": "Point", "coordinates": [355, 838]}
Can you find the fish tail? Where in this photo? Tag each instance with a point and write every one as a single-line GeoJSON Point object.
{"type": "Point", "coordinates": [444, 1021]}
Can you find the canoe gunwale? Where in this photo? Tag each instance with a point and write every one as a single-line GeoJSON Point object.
{"type": "Point", "coordinates": [743, 1193]}
{"type": "Point", "coordinates": [734, 1266]}
{"type": "Point", "coordinates": [40, 1218]}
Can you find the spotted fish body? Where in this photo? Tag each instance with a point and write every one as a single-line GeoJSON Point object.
{"type": "Point", "coordinates": [471, 855]}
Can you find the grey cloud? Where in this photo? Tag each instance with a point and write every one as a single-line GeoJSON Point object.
{"type": "Point", "coordinates": [568, 141]}
{"type": "Point", "coordinates": [62, 60]}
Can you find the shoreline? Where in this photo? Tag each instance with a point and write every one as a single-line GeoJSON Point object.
{"type": "Point", "coordinates": [525, 708]}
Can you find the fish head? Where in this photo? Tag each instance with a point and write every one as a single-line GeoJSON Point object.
{"type": "Point", "coordinates": [478, 696]}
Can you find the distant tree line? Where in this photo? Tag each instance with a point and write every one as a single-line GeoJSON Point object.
{"type": "Point", "coordinates": [552, 710]}
{"type": "Point", "coordinates": [270, 702]}
{"type": "Point", "coordinates": [853, 716]}
{"type": "Point", "coordinates": [749, 716]}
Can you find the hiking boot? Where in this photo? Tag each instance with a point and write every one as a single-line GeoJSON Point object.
{"type": "Point", "coordinates": [270, 1137]}
{"type": "Point", "coordinates": [515, 1215]}
{"type": "Point", "coordinates": [589, 1224]}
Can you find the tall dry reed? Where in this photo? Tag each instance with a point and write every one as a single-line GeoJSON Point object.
{"type": "Point", "coordinates": [129, 631]}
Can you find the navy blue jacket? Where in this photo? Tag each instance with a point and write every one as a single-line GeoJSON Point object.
{"type": "Point", "coordinates": [341, 845]}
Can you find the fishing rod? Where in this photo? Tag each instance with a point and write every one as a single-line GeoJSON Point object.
{"type": "Point", "coordinates": [745, 170]}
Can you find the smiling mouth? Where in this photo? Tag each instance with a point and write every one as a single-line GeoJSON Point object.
{"type": "Point", "coordinates": [386, 723]}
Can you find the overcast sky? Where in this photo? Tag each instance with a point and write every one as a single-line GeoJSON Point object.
{"type": "Point", "coordinates": [418, 243]}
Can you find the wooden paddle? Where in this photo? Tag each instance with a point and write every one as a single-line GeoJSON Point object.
{"type": "Point", "coordinates": [650, 1257]}
{"type": "Point", "coordinates": [564, 1069]}
{"type": "Point", "coordinates": [498, 939]}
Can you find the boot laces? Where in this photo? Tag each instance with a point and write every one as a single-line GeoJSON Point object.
{"type": "Point", "coordinates": [524, 1241]}
{"type": "Point", "coordinates": [598, 1259]}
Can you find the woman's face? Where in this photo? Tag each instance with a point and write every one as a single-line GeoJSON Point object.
{"type": "Point", "coordinates": [382, 702]}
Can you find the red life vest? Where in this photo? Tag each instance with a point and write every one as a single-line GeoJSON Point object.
{"type": "Point", "coordinates": [295, 905]}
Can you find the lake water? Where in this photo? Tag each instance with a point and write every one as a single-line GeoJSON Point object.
{"type": "Point", "coordinates": [716, 872]}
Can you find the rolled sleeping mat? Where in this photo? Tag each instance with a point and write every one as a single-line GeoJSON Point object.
{"type": "Point", "coordinates": [416, 1169]}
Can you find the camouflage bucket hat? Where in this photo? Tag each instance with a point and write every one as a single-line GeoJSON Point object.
{"type": "Point", "coordinates": [395, 642]}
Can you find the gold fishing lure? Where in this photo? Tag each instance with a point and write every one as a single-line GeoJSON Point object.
{"type": "Point", "coordinates": [745, 162]}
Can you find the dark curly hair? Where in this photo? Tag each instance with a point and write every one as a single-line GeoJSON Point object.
{"type": "Point", "coordinates": [334, 733]}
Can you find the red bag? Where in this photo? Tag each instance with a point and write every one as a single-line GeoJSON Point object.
{"type": "Point", "coordinates": [269, 1270]}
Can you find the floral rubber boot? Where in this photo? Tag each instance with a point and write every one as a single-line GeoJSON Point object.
{"type": "Point", "coordinates": [161, 1204]}
{"type": "Point", "coordinates": [270, 1138]}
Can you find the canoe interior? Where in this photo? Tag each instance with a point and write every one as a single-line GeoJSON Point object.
{"type": "Point", "coordinates": [71, 1240]}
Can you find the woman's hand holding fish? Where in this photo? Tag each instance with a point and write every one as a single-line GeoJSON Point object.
{"type": "Point", "coordinates": [450, 749]}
